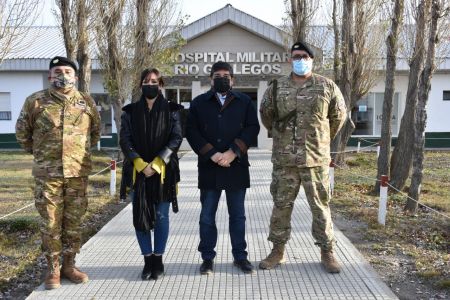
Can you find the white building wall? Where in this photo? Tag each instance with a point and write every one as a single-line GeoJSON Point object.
{"type": "Point", "coordinates": [20, 85]}
{"type": "Point", "coordinates": [264, 142]}
{"type": "Point", "coordinates": [438, 109]}
{"type": "Point", "coordinates": [97, 84]}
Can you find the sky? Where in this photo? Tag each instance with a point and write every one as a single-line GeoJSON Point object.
{"type": "Point", "coordinates": [270, 11]}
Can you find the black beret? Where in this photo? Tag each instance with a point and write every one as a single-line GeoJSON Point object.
{"type": "Point", "coordinates": [221, 65]}
{"type": "Point", "coordinates": [62, 61]}
{"type": "Point", "coordinates": [304, 47]}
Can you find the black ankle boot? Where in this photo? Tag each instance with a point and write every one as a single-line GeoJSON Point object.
{"type": "Point", "coordinates": [157, 266]}
{"type": "Point", "coordinates": [146, 272]}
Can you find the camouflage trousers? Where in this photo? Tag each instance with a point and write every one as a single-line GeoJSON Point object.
{"type": "Point", "coordinates": [285, 186]}
{"type": "Point", "coordinates": [61, 202]}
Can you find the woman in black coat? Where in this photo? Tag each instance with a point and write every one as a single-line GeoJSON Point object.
{"type": "Point", "coordinates": [150, 136]}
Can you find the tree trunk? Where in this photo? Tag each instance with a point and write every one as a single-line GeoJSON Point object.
{"type": "Point", "coordinates": [117, 104]}
{"type": "Point", "coordinates": [83, 58]}
{"type": "Point", "coordinates": [66, 25]}
{"type": "Point", "coordinates": [113, 69]}
{"type": "Point", "coordinates": [341, 138]}
{"type": "Point", "coordinates": [421, 113]}
{"type": "Point", "coordinates": [337, 46]}
{"type": "Point", "coordinates": [299, 19]}
{"type": "Point", "coordinates": [141, 53]}
{"type": "Point", "coordinates": [386, 130]}
{"type": "Point", "coordinates": [402, 155]}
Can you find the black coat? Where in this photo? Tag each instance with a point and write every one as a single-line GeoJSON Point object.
{"type": "Point", "coordinates": [126, 139]}
{"type": "Point", "coordinates": [213, 128]}
{"type": "Point", "coordinates": [173, 143]}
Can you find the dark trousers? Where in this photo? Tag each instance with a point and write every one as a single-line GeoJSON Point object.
{"type": "Point", "coordinates": [208, 230]}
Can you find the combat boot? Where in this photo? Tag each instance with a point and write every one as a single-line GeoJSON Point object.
{"type": "Point", "coordinates": [329, 262]}
{"type": "Point", "coordinates": [53, 277]}
{"type": "Point", "coordinates": [71, 272]}
{"type": "Point", "coordinates": [275, 258]}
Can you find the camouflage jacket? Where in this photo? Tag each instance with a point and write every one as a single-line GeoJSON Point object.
{"type": "Point", "coordinates": [303, 120]}
{"type": "Point", "coordinates": [59, 131]}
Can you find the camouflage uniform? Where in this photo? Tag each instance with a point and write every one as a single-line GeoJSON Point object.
{"type": "Point", "coordinates": [304, 121]}
{"type": "Point", "coordinates": [59, 130]}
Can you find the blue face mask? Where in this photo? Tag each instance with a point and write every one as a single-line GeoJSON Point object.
{"type": "Point", "coordinates": [302, 67]}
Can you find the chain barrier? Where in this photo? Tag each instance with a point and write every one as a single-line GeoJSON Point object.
{"type": "Point", "coordinates": [374, 179]}
{"type": "Point", "coordinates": [28, 205]}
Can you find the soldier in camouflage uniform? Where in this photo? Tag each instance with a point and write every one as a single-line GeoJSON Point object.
{"type": "Point", "coordinates": [302, 112]}
{"type": "Point", "coordinates": [58, 126]}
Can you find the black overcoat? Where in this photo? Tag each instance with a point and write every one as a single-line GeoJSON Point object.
{"type": "Point", "coordinates": [212, 127]}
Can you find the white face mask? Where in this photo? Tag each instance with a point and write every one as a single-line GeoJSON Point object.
{"type": "Point", "coordinates": [302, 67]}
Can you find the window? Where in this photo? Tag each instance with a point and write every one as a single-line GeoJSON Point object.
{"type": "Point", "coordinates": [180, 96]}
{"type": "Point", "coordinates": [171, 95]}
{"type": "Point", "coordinates": [103, 103]}
{"type": "Point", "coordinates": [5, 106]}
{"type": "Point", "coordinates": [368, 113]}
{"type": "Point", "coordinates": [379, 99]}
{"type": "Point", "coordinates": [446, 95]}
{"type": "Point", "coordinates": [362, 116]}
{"type": "Point", "coordinates": [183, 97]}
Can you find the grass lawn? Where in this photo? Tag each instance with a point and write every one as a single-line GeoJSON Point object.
{"type": "Point", "coordinates": [423, 239]}
{"type": "Point", "coordinates": [19, 234]}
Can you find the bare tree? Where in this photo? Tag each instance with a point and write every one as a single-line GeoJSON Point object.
{"type": "Point", "coordinates": [391, 60]}
{"type": "Point", "coordinates": [337, 44]}
{"type": "Point", "coordinates": [16, 17]}
{"type": "Point", "coordinates": [402, 155]}
{"type": "Point", "coordinates": [360, 58]}
{"type": "Point", "coordinates": [438, 11]}
{"type": "Point", "coordinates": [75, 17]}
{"type": "Point", "coordinates": [67, 18]}
{"type": "Point", "coordinates": [125, 48]}
{"type": "Point", "coordinates": [83, 57]}
{"type": "Point", "coordinates": [347, 54]}
{"type": "Point", "coordinates": [156, 44]}
{"type": "Point", "coordinates": [301, 12]}
{"type": "Point", "coordinates": [113, 37]}
{"type": "Point", "coordinates": [141, 49]}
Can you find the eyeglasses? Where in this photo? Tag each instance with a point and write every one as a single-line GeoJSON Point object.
{"type": "Point", "coordinates": [299, 57]}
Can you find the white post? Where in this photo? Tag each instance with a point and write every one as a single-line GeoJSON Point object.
{"type": "Point", "coordinates": [331, 175]}
{"type": "Point", "coordinates": [378, 150]}
{"type": "Point", "coordinates": [112, 185]}
{"type": "Point", "coordinates": [383, 200]}
{"type": "Point", "coordinates": [98, 145]}
{"type": "Point", "coordinates": [359, 147]}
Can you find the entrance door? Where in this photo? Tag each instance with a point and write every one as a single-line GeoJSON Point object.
{"type": "Point", "coordinates": [253, 94]}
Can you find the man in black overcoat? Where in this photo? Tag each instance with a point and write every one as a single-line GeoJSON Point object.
{"type": "Point", "coordinates": [220, 127]}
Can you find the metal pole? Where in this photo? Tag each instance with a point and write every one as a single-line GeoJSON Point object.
{"type": "Point", "coordinates": [112, 186]}
{"type": "Point", "coordinates": [383, 200]}
{"type": "Point", "coordinates": [331, 175]}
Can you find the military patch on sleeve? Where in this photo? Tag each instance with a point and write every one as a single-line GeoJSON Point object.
{"type": "Point", "coordinates": [81, 104]}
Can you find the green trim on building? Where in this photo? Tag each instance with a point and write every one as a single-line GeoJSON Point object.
{"type": "Point", "coordinates": [437, 139]}
{"type": "Point", "coordinates": [8, 141]}
{"type": "Point", "coordinates": [110, 142]}
{"type": "Point", "coordinates": [432, 140]}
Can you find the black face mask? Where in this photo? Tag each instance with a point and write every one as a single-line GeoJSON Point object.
{"type": "Point", "coordinates": [222, 84]}
{"type": "Point", "coordinates": [150, 91]}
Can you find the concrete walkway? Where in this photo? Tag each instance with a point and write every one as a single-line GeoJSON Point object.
{"type": "Point", "coordinates": [113, 261]}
